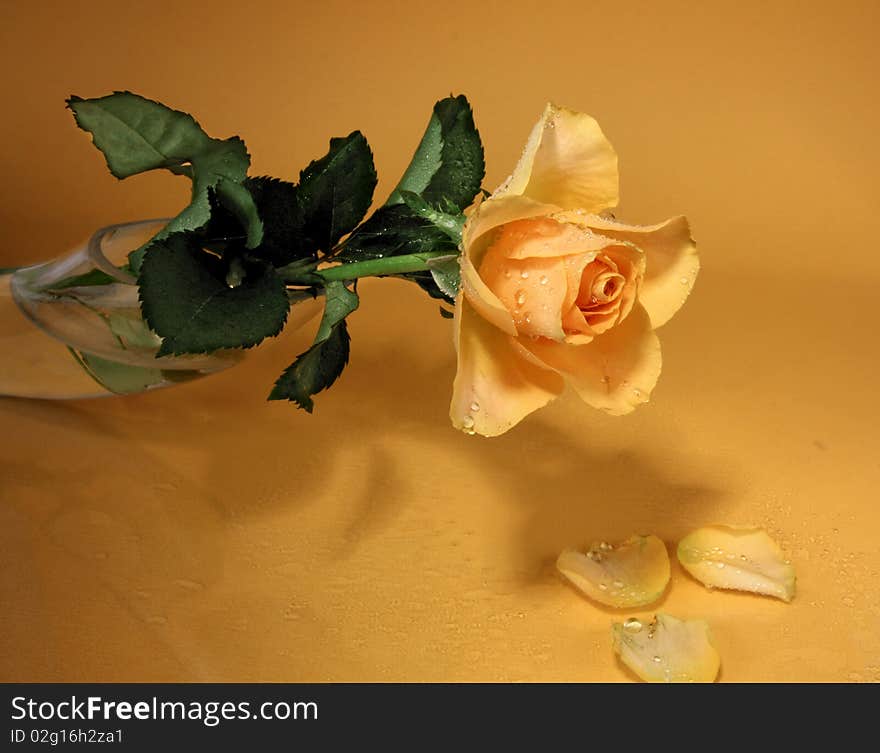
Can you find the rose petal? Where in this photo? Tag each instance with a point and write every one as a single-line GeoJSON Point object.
{"type": "Point", "coordinates": [533, 289]}
{"type": "Point", "coordinates": [483, 299]}
{"type": "Point", "coordinates": [476, 235]}
{"type": "Point", "coordinates": [575, 267]}
{"type": "Point", "coordinates": [632, 574]}
{"type": "Point", "coordinates": [544, 237]}
{"type": "Point", "coordinates": [616, 371]}
{"type": "Point", "coordinates": [577, 331]}
{"type": "Point", "coordinates": [672, 263]}
{"type": "Point", "coordinates": [742, 559]}
{"type": "Point", "coordinates": [667, 649]}
{"type": "Point", "coordinates": [567, 162]}
{"type": "Point", "coordinates": [494, 387]}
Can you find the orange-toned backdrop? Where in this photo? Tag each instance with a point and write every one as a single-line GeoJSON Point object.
{"type": "Point", "coordinates": [200, 533]}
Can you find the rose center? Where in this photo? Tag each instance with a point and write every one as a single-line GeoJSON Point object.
{"type": "Point", "coordinates": [606, 287]}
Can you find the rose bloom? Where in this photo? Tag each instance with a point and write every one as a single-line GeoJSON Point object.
{"type": "Point", "coordinates": [554, 291]}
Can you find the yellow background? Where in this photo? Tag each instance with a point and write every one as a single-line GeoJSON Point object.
{"type": "Point", "coordinates": [201, 533]}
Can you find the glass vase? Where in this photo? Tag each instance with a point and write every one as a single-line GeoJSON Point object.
{"type": "Point", "coordinates": [72, 327]}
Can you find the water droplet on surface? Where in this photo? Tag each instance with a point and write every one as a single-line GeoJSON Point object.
{"type": "Point", "coordinates": [507, 273]}
{"type": "Point", "coordinates": [520, 297]}
{"type": "Point", "coordinates": [524, 274]}
{"type": "Point", "coordinates": [618, 584]}
{"type": "Point", "coordinates": [467, 424]}
{"type": "Point", "coordinates": [637, 392]}
{"type": "Point", "coordinates": [527, 318]}
{"type": "Point", "coordinates": [544, 279]}
{"type": "Point", "coordinates": [189, 585]}
{"type": "Point", "coordinates": [475, 406]}
{"type": "Point", "coordinates": [632, 625]}
{"type": "Point", "coordinates": [603, 587]}
{"type": "Point", "coordinates": [684, 280]}
{"type": "Point", "coordinates": [656, 659]}
{"type": "Point", "coordinates": [719, 565]}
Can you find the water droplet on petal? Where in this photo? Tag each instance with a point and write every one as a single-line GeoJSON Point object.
{"type": "Point", "coordinates": [603, 587]}
{"type": "Point", "coordinates": [632, 625]}
{"type": "Point", "coordinates": [524, 274]}
{"type": "Point", "coordinates": [475, 406]}
{"type": "Point", "coordinates": [657, 659]}
{"type": "Point", "coordinates": [520, 297]}
{"type": "Point", "coordinates": [684, 280]}
{"type": "Point", "coordinates": [544, 279]}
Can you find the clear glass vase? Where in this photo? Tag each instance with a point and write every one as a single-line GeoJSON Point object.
{"type": "Point", "coordinates": [63, 336]}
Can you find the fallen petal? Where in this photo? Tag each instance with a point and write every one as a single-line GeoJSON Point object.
{"type": "Point", "coordinates": [667, 649]}
{"type": "Point", "coordinates": [740, 559]}
{"type": "Point", "coordinates": [631, 574]}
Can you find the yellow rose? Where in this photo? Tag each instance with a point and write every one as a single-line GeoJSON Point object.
{"type": "Point", "coordinates": [553, 293]}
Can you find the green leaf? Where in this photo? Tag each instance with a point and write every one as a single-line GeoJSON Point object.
{"type": "Point", "coordinates": [339, 303]}
{"type": "Point", "coordinates": [450, 223]}
{"type": "Point", "coordinates": [394, 230]}
{"type": "Point", "coordinates": [335, 192]}
{"type": "Point", "coordinates": [282, 236]}
{"type": "Point", "coordinates": [87, 279]}
{"type": "Point", "coordinates": [136, 134]}
{"type": "Point", "coordinates": [448, 163]}
{"type": "Point", "coordinates": [320, 366]}
{"type": "Point", "coordinates": [222, 166]}
{"type": "Point", "coordinates": [132, 333]}
{"type": "Point", "coordinates": [118, 378]}
{"type": "Point", "coordinates": [185, 299]}
{"type": "Point", "coordinates": [238, 200]}
{"type": "Point", "coordinates": [447, 275]}
{"type": "Point", "coordinates": [424, 213]}
{"type": "Point", "coordinates": [425, 280]}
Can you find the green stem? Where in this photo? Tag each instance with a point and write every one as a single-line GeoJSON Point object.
{"type": "Point", "coordinates": [391, 265]}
